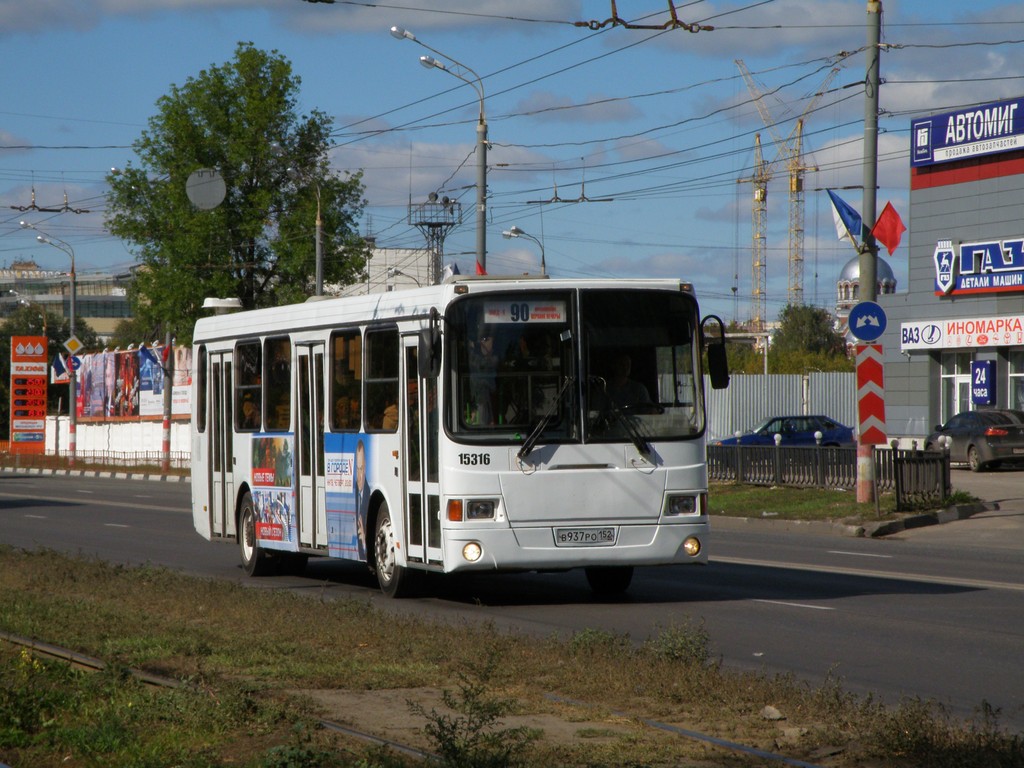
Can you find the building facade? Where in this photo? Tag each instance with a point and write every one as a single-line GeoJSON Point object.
{"type": "Point", "coordinates": [954, 341]}
{"type": "Point", "coordinates": [101, 300]}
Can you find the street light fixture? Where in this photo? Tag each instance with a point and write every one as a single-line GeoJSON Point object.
{"type": "Point", "coordinates": [56, 242]}
{"type": "Point", "coordinates": [481, 137]}
{"type": "Point", "coordinates": [515, 231]}
{"type": "Point", "coordinates": [395, 271]}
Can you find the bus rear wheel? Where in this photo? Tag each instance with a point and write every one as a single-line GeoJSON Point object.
{"type": "Point", "coordinates": [255, 560]}
{"type": "Point", "coordinates": [609, 580]}
{"type": "Point", "coordinates": [394, 580]}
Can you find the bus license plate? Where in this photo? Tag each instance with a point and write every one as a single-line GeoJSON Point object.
{"type": "Point", "coordinates": [585, 537]}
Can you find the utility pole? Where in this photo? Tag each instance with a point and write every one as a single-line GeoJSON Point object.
{"type": "Point", "coordinates": [869, 248]}
{"type": "Point", "coordinates": [868, 261]}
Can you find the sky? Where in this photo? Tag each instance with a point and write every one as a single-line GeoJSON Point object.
{"type": "Point", "coordinates": [623, 148]}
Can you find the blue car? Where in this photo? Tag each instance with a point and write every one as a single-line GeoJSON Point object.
{"type": "Point", "coordinates": [795, 430]}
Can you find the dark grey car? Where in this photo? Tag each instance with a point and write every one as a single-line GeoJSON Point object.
{"type": "Point", "coordinates": [982, 439]}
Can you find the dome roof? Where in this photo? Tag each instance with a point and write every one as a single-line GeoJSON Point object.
{"type": "Point", "coordinates": [851, 271]}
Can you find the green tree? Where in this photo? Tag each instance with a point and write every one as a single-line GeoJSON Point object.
{"type": "Point", "coordinates": [807, 340]}
{"type": "Point", "coordinates": [258, 245]}
{"type": "Point", "coordinates": [33, 320]}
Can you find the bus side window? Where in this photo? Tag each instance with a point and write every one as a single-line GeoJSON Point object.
{"type": "Point", "coordinates": [382, 380]}
{"type": "Point", "coordinates": [277, 383]}
{"type": "Point", "coordinates": [248, 386]}
{"type": "Point", "coordinates": [201, 373]}
{"type": "Point", "coordinates": [346, 379]}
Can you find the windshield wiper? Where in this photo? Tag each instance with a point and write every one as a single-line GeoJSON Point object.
{"type": "Point", "coordinates": [633, 430]}
{"type": "Point", "coordinates": [544, 421]}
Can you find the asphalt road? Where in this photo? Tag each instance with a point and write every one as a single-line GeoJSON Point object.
{"type": "Point", "coordinates": [931, 612]}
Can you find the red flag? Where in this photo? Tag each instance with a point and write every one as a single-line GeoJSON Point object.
{"type": "Point", "coordinates": [480, 269]}
{"type": "Point", "coordinates": [889, 229]}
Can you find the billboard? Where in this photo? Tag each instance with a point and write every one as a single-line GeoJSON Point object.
{"type": "Point", "coordinates": [29, 377]}
{"type": "Point", "coordinates": [970, 132]}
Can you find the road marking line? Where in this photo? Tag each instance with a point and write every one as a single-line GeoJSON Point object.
{"type": "Point", "coordinates": [858, 554]}
{"type": "Point", "coordinates": [116, 525]}
{"type": "Point", "coordinates": [795, 605]}
{"type": "Point", "coordinates": [110, 503]}
{"type": "Point", "coordinates": [948, 581]}
{"type": "Point", "coordinates": [36, 517]}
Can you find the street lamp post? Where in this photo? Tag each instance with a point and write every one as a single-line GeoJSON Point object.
{"type": "Point", "coordinates": [318, 232]}
{"type": "Point", "coordinates": [515, 231]}
{"type": "Point", "coordinates": [296, 175]}
{"type": "Point", "coordinates": [56, 242]}
{"type": "Point", "coordinates": [481, 138]}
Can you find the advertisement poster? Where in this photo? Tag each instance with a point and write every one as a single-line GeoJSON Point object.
{"type": "Point", "coordinates": [151, 384]}
{"type": "Point", "coordinates": [182, 389]}
{"type": "Point", "coordinates": [348, 478]}
{"type": "Point", "coordinates": [274, 492]}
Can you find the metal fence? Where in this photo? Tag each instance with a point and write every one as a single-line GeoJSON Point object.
{"type": "Point", "coordinates": [180, 462]}
{"type": "Point", "coordinates": [750, 398]}
{"type": "Point", "coordinates": [917, 477]}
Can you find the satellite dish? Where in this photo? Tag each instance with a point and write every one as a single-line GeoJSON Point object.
{"type": "Point", "coordinates": [432, 197]}
{"type": "Point", "coordinates": [205, 189]}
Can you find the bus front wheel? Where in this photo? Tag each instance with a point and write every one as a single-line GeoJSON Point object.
{"type": "Point", "coordinates": [395, 580]}
{"type": "Point", "coordinates": [255, 560]}
{"type": "Point", "coordinates": [609, 580]}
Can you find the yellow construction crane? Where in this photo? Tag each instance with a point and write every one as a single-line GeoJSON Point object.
{"type": "Point", "coordinates": [790, 153]}
{"type": "Point", "coordinates": [759, 225]}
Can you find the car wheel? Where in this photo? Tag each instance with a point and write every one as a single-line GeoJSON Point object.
{"type": "Point", "coordinates": [974, 460]}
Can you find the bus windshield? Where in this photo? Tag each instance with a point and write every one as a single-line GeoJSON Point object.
{"type": "Point", "coordinates": [595, 365]}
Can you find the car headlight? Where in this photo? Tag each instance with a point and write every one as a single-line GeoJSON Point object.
{"type": "Point", "coordinates": [690, 504]}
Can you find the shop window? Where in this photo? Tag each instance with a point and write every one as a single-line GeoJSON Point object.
{"type": "Point", "coordinates": [1015, 397]}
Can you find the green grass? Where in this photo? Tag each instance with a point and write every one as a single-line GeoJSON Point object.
{"type": "Point", "coordinates": [251, 660]}
{"type": "Point", "coordinates": [821, 504]}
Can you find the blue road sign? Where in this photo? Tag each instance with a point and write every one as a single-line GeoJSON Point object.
{"type": "Point", "coordinates": [867, 321]}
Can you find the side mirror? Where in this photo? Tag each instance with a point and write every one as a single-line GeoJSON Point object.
{"type": "Point", "coordinates": [430, 347]}
{"type": "Point", "coordinates": [718, 364]}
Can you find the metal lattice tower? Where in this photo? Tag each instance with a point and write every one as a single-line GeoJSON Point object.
{"type": "Point", "coordinates": [790, 153]}
{"type": "Point", "coordinates": [435, 219]}
{"type": "Point", "coordinates": [759, 222]}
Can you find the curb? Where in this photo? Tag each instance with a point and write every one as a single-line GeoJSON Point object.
{"type": "Point", "coordinates": [96, 473]}
{"type": "Point", "coordinates": [861, 530]}
{"type": "Point", "coordinates": [939, 517]}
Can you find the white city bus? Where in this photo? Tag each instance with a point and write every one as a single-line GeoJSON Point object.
{"type": "Point", "coordinates": [485, 424]}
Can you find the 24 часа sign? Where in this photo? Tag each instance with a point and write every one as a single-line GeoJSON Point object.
{"type": "Point", "coordinates": [966, 133]}
{"type": "Point", "coordinates": [987, 266]}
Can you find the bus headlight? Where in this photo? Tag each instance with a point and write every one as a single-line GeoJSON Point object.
{"type": "Point", "coordinates": [472, 551]}
{"type": "Point", "coordinates": [692, 546]}
{"type": "Point", "coordinates": [680, 505]}
{"type": "Point", "coordinates": [480, 509]}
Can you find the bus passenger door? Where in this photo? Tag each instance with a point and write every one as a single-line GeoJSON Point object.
{"type": "Point", "coordinates": [312, 513]}
{"type": "Point", "coordinates": [420, 435]}
{"type": "Point", "coordinates": [220, 448]}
